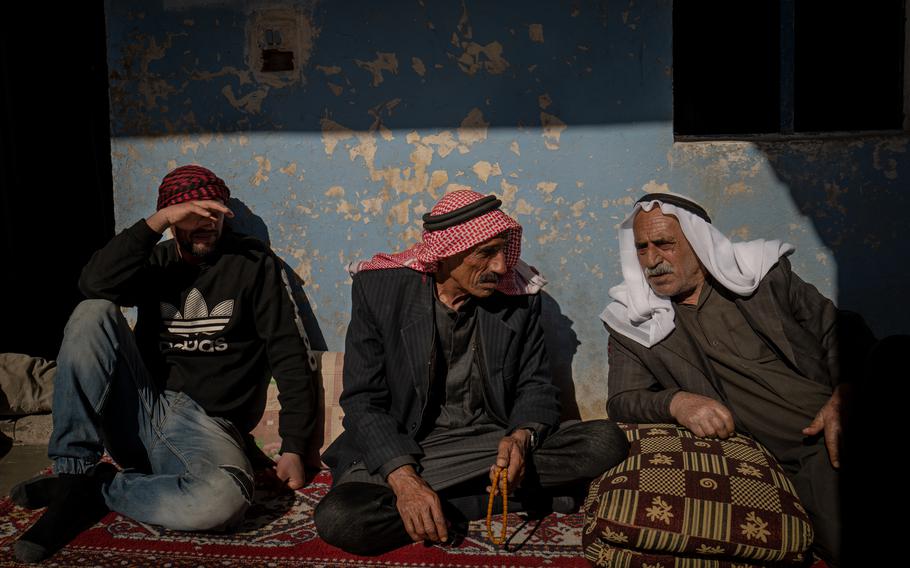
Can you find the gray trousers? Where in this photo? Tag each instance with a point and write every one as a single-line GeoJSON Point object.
{"type": "Point", "coordinates": [818, 485]}
{"type": "Point", "coordinates": [359, 515]}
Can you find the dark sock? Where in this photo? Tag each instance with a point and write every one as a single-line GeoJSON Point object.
{"type": "Point", "coordinates": [35, 493]}
{"type": "Point", "coordinates": [76, 503]}
{"type": "Point", "coordinates": [544, 501]}
{"type": "Point", "coordinates": [471, 507]}
{"type": "Point", "coordinates": [566, 504]}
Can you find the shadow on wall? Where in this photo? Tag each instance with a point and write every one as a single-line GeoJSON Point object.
{"type": "Point", "coordinates": [523, 64]}
{"type": "Point", "coordinates": [248, 223]}
{"type": "Point", "coordinates": [846, 189]}
{"type": "Point", "coordinates": [561, 340]}
{"type": "Point", "coordinates": [562, 344]}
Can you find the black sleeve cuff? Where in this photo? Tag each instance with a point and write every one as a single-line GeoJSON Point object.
{"type": "Point", "coordinates": [293, 445]}
{"type": "Point", "coordinates": [141, 231]}
{"type": "Point", "coordinates": [394, 463]}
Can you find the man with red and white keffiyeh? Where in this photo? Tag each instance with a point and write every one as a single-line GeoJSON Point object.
{"type": "Point", "coordinates": [446, 382]}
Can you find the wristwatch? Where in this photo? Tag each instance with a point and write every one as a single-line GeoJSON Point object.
{"type": "Point", "coordinates": [533, 440]}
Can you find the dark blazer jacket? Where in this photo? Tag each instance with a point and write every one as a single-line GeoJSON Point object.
{"type": "Point", "coordinates": [799, 324]}
{"type": "Point", "coordinates": [388, 363]}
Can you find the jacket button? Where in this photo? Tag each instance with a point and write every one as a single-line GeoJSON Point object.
{"type": "Point", "coordinates": [413, 426]}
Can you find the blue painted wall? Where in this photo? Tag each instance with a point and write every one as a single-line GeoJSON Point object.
{"type": "Point", "coordinates": [563, 109]}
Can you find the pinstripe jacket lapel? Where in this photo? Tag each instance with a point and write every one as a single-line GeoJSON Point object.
{"type": "Point", "coordinates": [494, 339]}
{"type": "Point", "coordinates": [418, 334]}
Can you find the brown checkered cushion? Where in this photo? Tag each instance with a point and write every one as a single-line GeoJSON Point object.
{"type": "Point", "coordinates": [686, 501]}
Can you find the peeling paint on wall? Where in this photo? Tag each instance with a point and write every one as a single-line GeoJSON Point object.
{"type": "Point", "coordinates": [262, 173]}
{"type": "Point", "coordinates": [885, 159]}
{"type": "Point", "coordinates": [552, 130]}
{"type": "Point", "coordinates": [418, 66]}
{"type": "Point", "coordinates": [544, 101]}
{"type": "Point", "coordinates": [383, 62]}
{"type": "Point", "coordinates": [737, 188]}
{"type": "Point", "coordinates": [484, 169]}
{"type": "Point", "coordinates": [289, 170]}
{"type": "Point", "coordinates": [473, 56]}
{"type": "Point", "coordinates": [473, 129]}
{"type": "Point", "coordinates": [340, 158]}
{"type": "Point", "coordinates": [653, 187]}
{"type": "Point", "coordinates": [547, 188]}
{"type": "Point", "coordinates": [249, 103]}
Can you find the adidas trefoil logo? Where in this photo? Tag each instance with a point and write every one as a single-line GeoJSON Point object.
{"type": "Point", "coordinates": [196, 317]}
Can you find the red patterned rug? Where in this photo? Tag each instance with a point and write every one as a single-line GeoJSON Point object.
{"type": "Point", "coordinates": [279, 532]}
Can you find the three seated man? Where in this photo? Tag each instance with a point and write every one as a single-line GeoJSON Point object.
{"type": "Point", "coordinates": [446, 379]}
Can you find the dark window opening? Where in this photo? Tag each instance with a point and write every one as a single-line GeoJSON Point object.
{"type": "Point", "coordinates": [725, 61]}
{"type": "Point", "coordinates": [758, 67]}
{"type": "Point", "coordinates": [848, 72]}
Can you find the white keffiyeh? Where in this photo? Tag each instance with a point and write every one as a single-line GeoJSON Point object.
{"type": "Point", "coordinates": [643, 316]}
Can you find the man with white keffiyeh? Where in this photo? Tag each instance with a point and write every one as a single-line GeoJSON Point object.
{"type": "Point", "coordinates": [719, 336]}
{"type": "Point", "coordinates": [446, 383]}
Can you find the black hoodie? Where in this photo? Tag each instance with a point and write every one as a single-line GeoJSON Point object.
{"type": "Point", "coordinates": [217, 330]}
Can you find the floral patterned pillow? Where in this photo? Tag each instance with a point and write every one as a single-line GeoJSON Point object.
{"type": "Point", "coordinates": [683, 498]}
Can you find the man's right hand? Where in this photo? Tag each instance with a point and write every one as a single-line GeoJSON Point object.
{"type": "Point", "coordinates": [704, 416]}
{"type": "Point", "coordinates": [418, 505]}
{"type": "Point", "coordinates": [188, 215]}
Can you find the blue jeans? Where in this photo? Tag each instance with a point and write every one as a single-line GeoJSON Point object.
{"type": "Point", "coordinates": [183, 469]}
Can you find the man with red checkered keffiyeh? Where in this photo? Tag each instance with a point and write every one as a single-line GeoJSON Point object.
{"type": "Point", "coordinates": [172, 403]}
{"type": "Point", "coordinates": [446, 382]}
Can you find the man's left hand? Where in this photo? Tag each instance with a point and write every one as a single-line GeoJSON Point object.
{"type": "Point", "coordinates": [829, 420]}
{"type": "Point", "coordinates": [511, 457]}
{"type": "Point", "coordinates": [290, 470]}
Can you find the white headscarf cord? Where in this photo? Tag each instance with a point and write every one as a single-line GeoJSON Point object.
{"type": "Point", "coordinates": [643, 316]}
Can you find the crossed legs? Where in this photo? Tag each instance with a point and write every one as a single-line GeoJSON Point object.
{"type": "Point", "coordinates": [183, 469]}
{"type": "Point", "coordinates": [361, 516]}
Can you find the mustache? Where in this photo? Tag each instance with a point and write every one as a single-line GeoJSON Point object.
{"type": "Point", "coordinates": [489, 278]}
{"type": "Point", "coordinates": [659, 270]}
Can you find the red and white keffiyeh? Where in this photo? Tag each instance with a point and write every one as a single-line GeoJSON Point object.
{"type": "Point", "coordinates": [425, 256]}
{"type": "Point", "coordinates": [188, 183]}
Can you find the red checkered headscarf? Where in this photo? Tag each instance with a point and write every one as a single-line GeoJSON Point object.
{"type": "Point", "coordinates": [188, 183]}
{"type": "Point", "coordinates": [443, 243]}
